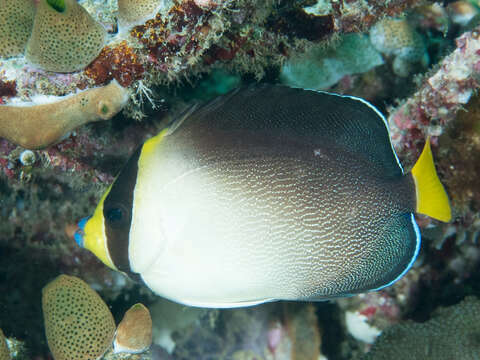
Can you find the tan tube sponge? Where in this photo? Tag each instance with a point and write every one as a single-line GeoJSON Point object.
{"type": "Point", "coordinates": [36, 126]}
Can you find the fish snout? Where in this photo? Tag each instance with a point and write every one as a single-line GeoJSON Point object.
{"type": "Point", "coordinates": [79, 234]}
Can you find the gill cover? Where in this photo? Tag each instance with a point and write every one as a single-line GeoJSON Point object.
{"type": "Point", "coordinates": [432, 200]}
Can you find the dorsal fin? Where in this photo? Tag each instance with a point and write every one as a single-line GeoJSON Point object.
{"type": "Point", "coordinates": [345, 121]}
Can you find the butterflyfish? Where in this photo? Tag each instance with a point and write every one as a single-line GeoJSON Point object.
{"type": "Point", "coordinates": [266, 193]}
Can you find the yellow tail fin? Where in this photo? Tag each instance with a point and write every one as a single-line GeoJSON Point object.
{"type": "Point", "coordinates": [432, 200]}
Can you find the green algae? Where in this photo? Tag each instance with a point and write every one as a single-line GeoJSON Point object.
{"type": "Point", "coordinates": [320, 67]}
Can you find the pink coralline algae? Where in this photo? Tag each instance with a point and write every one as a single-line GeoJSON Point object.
{"type": "Point", "coordinates": [439, 98]}
{"type": "Point", "coordinates": [432, 109]}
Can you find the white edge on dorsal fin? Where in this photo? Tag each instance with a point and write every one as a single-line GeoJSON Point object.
{"type": "Point", "coordinates": [175, 124]}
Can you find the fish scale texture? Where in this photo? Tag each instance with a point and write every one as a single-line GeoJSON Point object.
{"type": "Point", "coordinates": [64, 41]}
{"type": "Point", "coordinates": [285, 207]}
{"type": "Point", "coordinates": [16, 26]}
{"type": "Point", "coordinates": [4, 353]}
{"type": "Point", "coordinates": [452, 333]}
{"type": "Point", "coordinates": [78, 324]}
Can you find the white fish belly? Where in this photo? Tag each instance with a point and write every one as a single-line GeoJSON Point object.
{"type": "Point", "coordinates": [220, 236]}
{"type": "Point", "coordinates": [214, 253]}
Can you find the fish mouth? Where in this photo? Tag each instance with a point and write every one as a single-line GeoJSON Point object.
{"type": "Point", "coordinates": [79, 234]}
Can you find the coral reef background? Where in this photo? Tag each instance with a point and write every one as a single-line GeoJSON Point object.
{"type": "Point", "coordinates": [171, 53]}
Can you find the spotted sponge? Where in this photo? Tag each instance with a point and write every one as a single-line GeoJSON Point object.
{"type": "Point", "coordinates": [65, 38]}
{"type": "Point", "coordinates": [4, 353]}
{"type": "Point", "coordinates": [136, 12]}
{"type": "Point", "coordinates": [78, 324]}
{"type": "Point", "coordinates": [16, 22]}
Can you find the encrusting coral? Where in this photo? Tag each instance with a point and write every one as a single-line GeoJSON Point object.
{"type": "Point", "coordinates": [4, 353]}
{"type": "Point", "coordinates": [441, 95]}
{"type": "Point", "coordinates": [65, 38]}
{"type": "Point", "coordinates": [397, 38]}
{"type": "Point", "coordinates": [461, 12]}
{"type": "Point", "coordinates": [120, 63]}
{"type": "Point", "coordinates": [16, 22]}
{"type": "Point", "coordinates": [452, 333]}
{"type": "Point", "coordinates": [357, 15]}
{"type": "Point", "coordinates": [78, 323]}
{"type": "Point", "coordinates": [134, 333]}
{"type": "Point", "coordinates": [37, 126]}
{"type": "Point", "coordinates": [436, 104]}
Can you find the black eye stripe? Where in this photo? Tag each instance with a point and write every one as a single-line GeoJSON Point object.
{"type": "Point", "coordinates": [114, 215]}
{"type": "Point", "coordinates": [117, 213]}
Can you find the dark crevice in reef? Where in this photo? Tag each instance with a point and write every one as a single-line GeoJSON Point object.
{"type": "Point", "coordinates": [20, 279]}
{"type": "Point", "coordinates": [329, 319]}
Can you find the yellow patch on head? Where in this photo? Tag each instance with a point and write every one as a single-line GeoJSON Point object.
{"type": "Point", "coordinates": [95, 239]}
{"type": "Point", "coordinates": [150, 145]}
{"type": "Point", "coordinates": [432, 199]}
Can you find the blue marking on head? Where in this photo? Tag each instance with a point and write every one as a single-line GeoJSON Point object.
{"type": "Point", "coordinates": [412, 260]}
{"type": "Point", "coordinates": [79, 233]}
{"type": "Point", "coordinates": [79, 238]}
{"type": "Point", "coordinates": [81, 223]}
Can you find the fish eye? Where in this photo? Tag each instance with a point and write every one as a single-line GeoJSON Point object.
{"type": "Point", "coordinates": [115, 216]}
